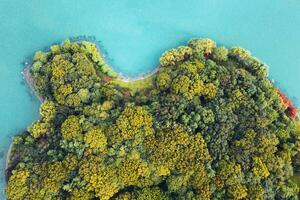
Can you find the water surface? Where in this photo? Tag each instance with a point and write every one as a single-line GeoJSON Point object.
{"type": "Point", "coordinates": [134, 33]}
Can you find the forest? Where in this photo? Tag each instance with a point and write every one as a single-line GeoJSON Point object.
{"type": "Point", "coordinates": [208, 125]}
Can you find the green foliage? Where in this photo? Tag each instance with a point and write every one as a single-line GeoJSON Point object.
{"type": "Point", "coordinates": [181, 85]}
{"type": "Point", "coordinates": [163, 80]}
{"type": "Point", "coordinates": [84, 95]}
{"type": "Point", "coordinates": [17, 185]}
{"type": "Point", "coordinates": [150, 193]}
{"type": "Point", "coordinates": [48, 111]}
{"type": "Point", "coordinates": [174, 56]}
{"type": "Point", "coordinates": [260, 169]}
{"type": "Point", "coordinates": [71, 128]}
{"type": "Point", "coordinates": [203, 45]}
{"type": "Point", "coordinates": [44, 125]}
{"type": "Point", "coordinates": [134, 121]}
{"type": "Point", "coordinates": [239, 53]}
{"type": "Point", "coordinates": [95, 139]}
{"type": "Point", "coordinates": [81, 194]}
{"type": "Point", "coordinates": [207, 125]}
{"type": "Point", "coordinates": [41, 57]}
{"type": "Point", "coordinates": [106, 69]}
{"type": "Point", "coordinates": [185, 86]}
{"type": "Point", "coordinates": [99, 112]}
{"type": "Point", "coordinates": [38, 128]}
{"type": "Point", "coordinates": [220, 54]}
{"type": "Point", "coordinates": [43, 182]}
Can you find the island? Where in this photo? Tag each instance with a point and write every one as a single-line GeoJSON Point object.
{"type": "Point", "coordinates": [207, 124]}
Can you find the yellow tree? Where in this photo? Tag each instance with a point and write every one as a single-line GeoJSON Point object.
{"type": "Point", "coordinates": [38, 128]}
{"type": "Point", "coordinates": [48, 111]}
{"type": "Point", "coordinates": [134, 121]}
{"type": "Point", "coordinates": [95, 139]}
{"type": "Point", "coordinates": [71, 128]}
{"type": "Point", "coordinates": [17, 185]}
{"type": "Point", "coordinates": [203, 45]}
{"type": "Point", "coordinates": [174, 56]}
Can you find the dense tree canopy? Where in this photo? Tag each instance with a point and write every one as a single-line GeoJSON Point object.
{"type": "Point", "coordinates": [208, 125]}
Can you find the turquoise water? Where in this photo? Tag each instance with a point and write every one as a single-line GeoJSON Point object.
{"type": "Point", "coordinates": [134, 33]}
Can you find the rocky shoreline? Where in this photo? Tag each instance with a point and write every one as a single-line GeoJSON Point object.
{"type": "Point", "coordinates": [30, 83]}
{"type": "Point", "coordinates": [8, 153]}
{"type": "Point", "coordinates": [29, 80]}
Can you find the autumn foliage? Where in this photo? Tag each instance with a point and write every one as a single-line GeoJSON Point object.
{"type": "Point", "coordinates": [208, 125]}
{"type": "Point", "coordinates": [290, 108]}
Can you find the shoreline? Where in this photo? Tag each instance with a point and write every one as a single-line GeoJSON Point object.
{"type": "Point", "coordinates": [120, 76]}
{"type": "Point", "coordinates": [30, 84]}
{"type": "Point", "coordinates": [143, 76]}
{"type": "Point", "coordinates": [8, 154]}
{"type": "Point", "coordinates": [29, 81]}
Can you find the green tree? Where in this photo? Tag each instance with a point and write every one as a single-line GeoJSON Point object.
{"type": "Point", "coordinates": [95, 139]}
{"type": "Point", "coordinates": [71, 128]}
{"type": "Point", "coordinates": [220, 54]}
{"type": "Point", "coordinates": [134, 121]}
{"type": "Point", "coordinates": [17, 186]}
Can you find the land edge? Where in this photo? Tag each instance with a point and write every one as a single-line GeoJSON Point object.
{"type": "Point", "coordinates": [30, 84]}
{"type": "Point", "coordinates": [140, 77]}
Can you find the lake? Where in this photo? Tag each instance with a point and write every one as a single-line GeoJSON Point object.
{"type": "Point", "coordinates": [133, 34]}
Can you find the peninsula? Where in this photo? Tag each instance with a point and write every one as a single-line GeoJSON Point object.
{"type": "Point", "coordinates": [208, 124]}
